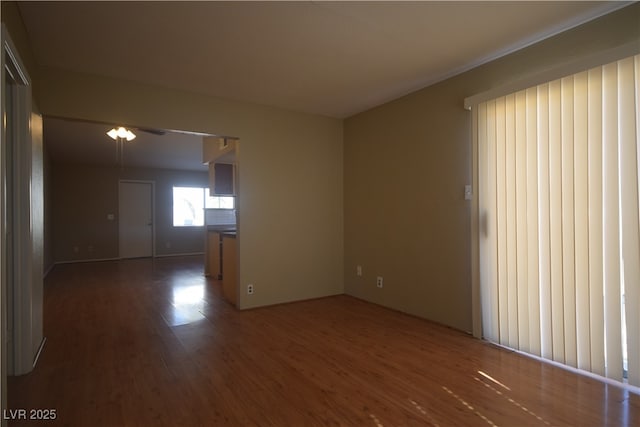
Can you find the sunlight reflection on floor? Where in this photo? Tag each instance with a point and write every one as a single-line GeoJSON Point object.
{"type": "Point", "coordinates": [425, 413]}
{"type": "Point", "coordinates": [469, 406]}
{"type": "Point", "coordinates": [490, 378]}
{"type": "Point", "coordinates": [187, 306]}
{"type": "Point", "coordinates": [376, 420]}
{"type": "Point", "coordinates": [188, 295]}
{"type": "Point", "coordinates": [509, 399]}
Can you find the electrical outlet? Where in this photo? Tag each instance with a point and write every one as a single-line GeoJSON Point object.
{"type": "Point", "coordinates": [379, 281]}
{"type": "Point", "coordinates": [359, 270]}
{"type": "Point", "coordinates": [250, 289]}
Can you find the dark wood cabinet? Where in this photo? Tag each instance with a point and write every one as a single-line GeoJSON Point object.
{"type": "Point", "coordinates": [214, 255]}
{"type": "Point", "coordinates": [222, 180]}
{"type": "Point", "coordinates": [229, 267]}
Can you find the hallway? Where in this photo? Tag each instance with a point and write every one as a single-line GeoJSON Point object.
{"type": "Point", "coordinates": [152, 343]}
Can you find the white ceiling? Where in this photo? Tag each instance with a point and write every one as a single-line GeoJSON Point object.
{"type": "Point", "coordinates": [329, 58]}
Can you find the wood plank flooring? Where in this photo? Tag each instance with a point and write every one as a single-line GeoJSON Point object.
{"type": "Point", "coordinates": [152, 343]}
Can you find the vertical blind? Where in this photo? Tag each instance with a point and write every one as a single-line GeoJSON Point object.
{"type": "Point", "coordinates": [558, 191]}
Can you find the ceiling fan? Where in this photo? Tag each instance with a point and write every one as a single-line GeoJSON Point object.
{"type": "Point", "coordinates": [121, 134]}
{"type": "Point", "coordinates": [125, 132]}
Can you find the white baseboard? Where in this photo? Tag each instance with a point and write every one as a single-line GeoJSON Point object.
{"type": "Point", "coordinates": [610, 381]}
{"type": "Point", "coordinates": [75, 261]}
{"type": "Point", "coordinates": [40, 348]}
{"type": "Point", "coordinates": [174, 255]}
{"type": "Point", "coordinates": [48, 270]}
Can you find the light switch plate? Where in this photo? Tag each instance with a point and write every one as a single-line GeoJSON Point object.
{"type": "Point", "coordinates": [467, 192]}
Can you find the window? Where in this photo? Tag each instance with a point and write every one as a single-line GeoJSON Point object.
{"type": "Point", "coordinates": [189, 204]}
{"type": "Point", "coordinates": [218, 202]}
{"type": "Point", "coordinates": [558, 206]}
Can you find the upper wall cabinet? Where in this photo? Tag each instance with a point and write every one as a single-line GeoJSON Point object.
{"type": "Point", "coordinates": [221, 177]}
{"type": "Point", "coordinates": [220, 154]}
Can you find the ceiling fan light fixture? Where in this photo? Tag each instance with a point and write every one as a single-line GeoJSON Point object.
{"type": "Point", "coordinates": [122, 133]}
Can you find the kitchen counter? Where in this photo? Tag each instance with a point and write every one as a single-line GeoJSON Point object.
{"type": "Point", "coordinates": [222, 227]}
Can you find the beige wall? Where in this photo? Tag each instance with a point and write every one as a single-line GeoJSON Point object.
{"type": "Point", "coordinates": [290, 175]}
{"type": "Point", "coordinates": [406, 164]}
{"type": "Point", "coordinates": [83, 195]}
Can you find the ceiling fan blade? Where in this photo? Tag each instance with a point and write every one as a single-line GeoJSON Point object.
{"type": "Point", "coordinates": [158, 132]}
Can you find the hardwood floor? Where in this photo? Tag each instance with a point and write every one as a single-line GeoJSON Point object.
{"type": "Point", "coordinates": [152, 343]}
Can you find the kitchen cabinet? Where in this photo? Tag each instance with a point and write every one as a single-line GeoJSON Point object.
{"type": "Point", "coordinates": [214, 255]}
{"type": "Point", "coordinates": [222, 179]}
{"type": "Point", "coordinates": [229, 267]}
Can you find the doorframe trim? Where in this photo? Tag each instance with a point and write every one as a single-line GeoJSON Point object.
{"type": "Point", "coordinates": [153, 212]}
{"type": "Point", "coordinates": [16, 359]}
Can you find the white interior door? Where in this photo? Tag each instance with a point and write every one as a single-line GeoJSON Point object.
{"type": "Point", "coordinates": [136, 219]}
